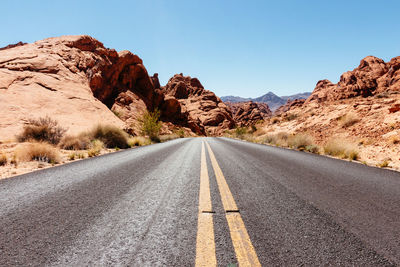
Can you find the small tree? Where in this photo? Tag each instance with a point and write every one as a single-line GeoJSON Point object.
{"type": "Point", "coordinates": [150, 124]}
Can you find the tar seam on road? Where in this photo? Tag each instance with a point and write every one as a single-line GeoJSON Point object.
{"type": "Point", "coordinates": [205, 243]}
{"type": "Point", "coordinates": [244, 249]}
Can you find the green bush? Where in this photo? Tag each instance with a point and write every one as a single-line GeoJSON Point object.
{"type": "Point", "coordinates": [110, 135]}
{"type": "Point", "coordinates": [150, 125]}
{"type": "Point", "coordinates": [240, 131]}
{"type": "Point", "coordinates": [43, 130]}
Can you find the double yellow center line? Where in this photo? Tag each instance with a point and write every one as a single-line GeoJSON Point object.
{"type": "Point", "coordinates": [205, 244]}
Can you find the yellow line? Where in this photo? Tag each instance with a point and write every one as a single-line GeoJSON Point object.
{"type": "Point", "coordinates": [245, 252]}
{"type": "Point", "coordinates": [205, 244]}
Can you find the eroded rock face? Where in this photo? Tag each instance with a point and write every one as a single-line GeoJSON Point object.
{"type": "Point", "coordinates": [52, 77]}
{"type": "Point", "coordinates": [79, 82]}
{"type": "Point", "coordinates": [204, 111]}
{"type": "Point", "coordinates": [249, 113]}
{"type": "Point", "coordinates": [371, 77]}
{"type": "Point", "coordinates": [289, 105]}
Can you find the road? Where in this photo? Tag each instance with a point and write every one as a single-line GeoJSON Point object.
{"type": "Point", "coordinates": [202, 201]}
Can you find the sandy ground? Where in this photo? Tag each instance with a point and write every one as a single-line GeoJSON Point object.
{"type": "Point", "coordinates": [376, 133]}
{"type": "Point", "coordinates": [13, 169]}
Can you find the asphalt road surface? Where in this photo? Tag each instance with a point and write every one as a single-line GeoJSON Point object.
{"type": "Point", "coordinates": [202, 201]}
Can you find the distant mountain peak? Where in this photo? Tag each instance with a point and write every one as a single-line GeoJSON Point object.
{"type": "Point", "coordinates": [274, 101]}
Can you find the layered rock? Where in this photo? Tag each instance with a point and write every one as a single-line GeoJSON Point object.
{"type": "Point", "coordinates": [249, 113]}
{"type": "Point", "coordinates": [205, 112]}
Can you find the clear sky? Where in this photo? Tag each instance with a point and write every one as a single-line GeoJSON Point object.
{"type": "Point", "coordinates": [244, 48]}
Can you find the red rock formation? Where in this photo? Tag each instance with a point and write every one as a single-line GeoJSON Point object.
{"type": "Point", "coordinates": [290, 104]}
{"type": "Point", "coordinates": [76, 80]}
{"type": "Point", "coordinates": [12, 46]}
{"type": "Point", "coordinates": [204, 111]}
{"type": "Point", "coordinates": [371, 77]}
{"type": "Point", "coordinates": [249, 113]}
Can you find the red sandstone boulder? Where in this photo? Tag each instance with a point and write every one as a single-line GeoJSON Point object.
{"type": "Point", "coordinates": [205, 112]}
{"type": "Point", "coordinates": [249, 113]}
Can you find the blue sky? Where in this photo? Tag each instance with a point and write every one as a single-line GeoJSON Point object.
{"type": "Point", "coordinates": [244, 48]}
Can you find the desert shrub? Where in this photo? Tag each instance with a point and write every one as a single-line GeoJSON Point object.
{"type": "Point", "coordinates": [340, 148]}
{"type": "Point", "coordinates": [180, 132]}
{"type": "Point", "coordinates": [72, 156]}
{"type": "Point", "coordinates": [284, 136]}
{"type": "Point", "coordinates": [240, 131]}
{"type": "Point", "coordinates": [95, 148]}
{"type": "Point", "coordinates": [353, 154]}
{"type": "Point", "coordinates": [269, 139]}
{"type": "Point", "coordinates": [253, 128]}
{"type": "Point", "coordinates": [139, 141]}
{"type": "Point", "coordinates": [248, 137]}
{"type": "Point", "coordinates": [383, 164]}
{"type": "Point", "coordinates": [348, 120]}
{"type": "Point", "coordinates": [79, 142]}
{"type": "Point", "coordinates": [150, 124]}
{"type": "Point", "coordinates": [300, 141]}
{"type": "Point", "coordinates": [259, 132]}
{"type": "Point", "coordinates": [290, 116]}
{"type": "Point", "coordinates": [279, 139]}
{"type": "Point", "coordinates": [3, 159]}
{"type": "Point", "coordinates": [116, 113]}
{"type": "Point", "coordinates": [43, 129]}
{"type": "Point", "coordinates": [14, 159]}
{"type": "Point", "coordinates": [38, 151]}
{"type": "Point", "coordinates": [274, 120]}
{"type": "Point", "coordinates": [394, 140]}
{"type": "Point", "coordinates": [110, 135]}
{"type": "Point", "coordinates": [167, 137]}
{"type": "Point", "coordinates": [312, 148]}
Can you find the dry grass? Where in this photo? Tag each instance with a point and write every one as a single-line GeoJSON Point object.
{"type": "Point", "coordinates": [341, 148]}
{"type": "Point", "coordinates": [139, 141]}
{"type": "Point", "coordinates": [383, 164]}
{"type": "Point", "coordinates": [279, 139]}
{"type": "Point", "coordinates": [348, 120]}
{"type": "Point", "coordinates": [300, 141]}
{"type": "Point", "coordinates": [3, 159]}
{"type": "Point", "coordinates": [78, 142]}
{"type": "Point", "coordinates": [167, 137]}
{"type": "Point", "coordinates": [38, 151]}
{"type": "Point", "coordinates": [42, 130]}
{"type": "Point", "coordinates": [95, 148]}
{"type": "Point", "coordinates": [110, 135]}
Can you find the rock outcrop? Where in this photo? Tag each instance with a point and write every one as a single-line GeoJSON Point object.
{"type": "Point", "coordinates": [205, 112]}
{"type": "Point", "coordinates": [290, 104]}
{"type": "Point", "coordinates": [371, 77]}
{"type": "Point", "coordinates": [79, 82]}
{"type": "Point", "coordinates": [249, 113]}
